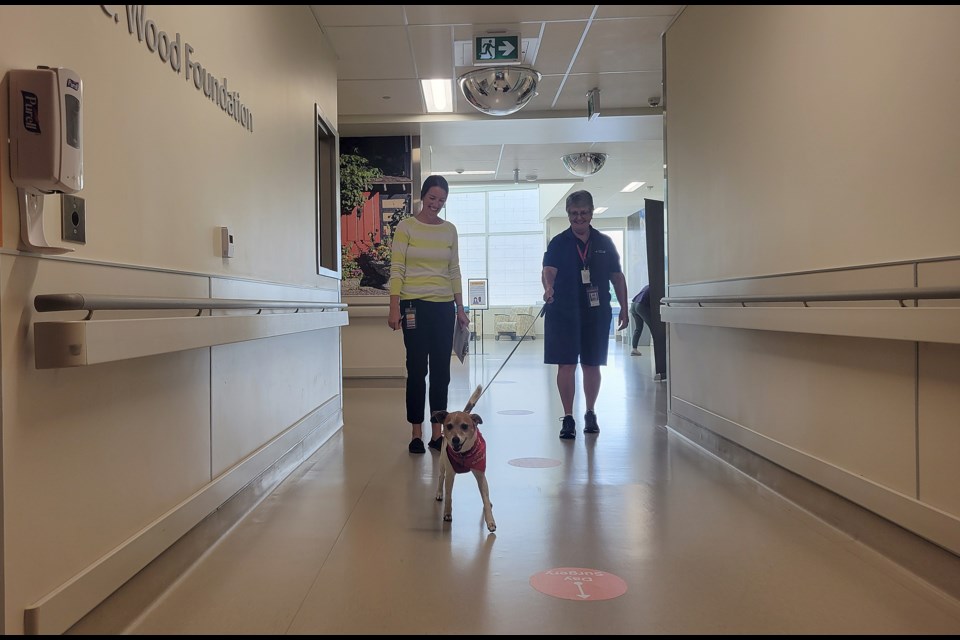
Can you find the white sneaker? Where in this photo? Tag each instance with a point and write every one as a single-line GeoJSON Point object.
{"type": "Point", "coordinates": [635, 352]}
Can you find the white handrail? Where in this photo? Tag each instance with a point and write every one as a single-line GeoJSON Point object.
{"type": "Point", "coordinates": [84, 342]}
{"type": "Point", "coordinates": [915, 293]}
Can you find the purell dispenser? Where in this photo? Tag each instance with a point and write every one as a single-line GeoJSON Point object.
{"type": "Point", "coordinates": [46, 144]}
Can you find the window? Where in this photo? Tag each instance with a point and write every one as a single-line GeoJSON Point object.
{"type": "Point", "coordinates": [616, 235]}
{"type": "Point", "coordinates": [501, 239]}
{"type": "Point", "coordinates": [328, 190]}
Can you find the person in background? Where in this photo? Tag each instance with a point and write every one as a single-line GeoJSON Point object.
{"type": "Point", "coordinates": [578, 267]}
{"type": "Point", "coordinates": [426, 301]}
{"type": "Point", "coordinates": [640, 312]}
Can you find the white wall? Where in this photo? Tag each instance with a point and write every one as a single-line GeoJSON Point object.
{"type": "Point", "coordinates": [814, 149]}
{"type": "Point", "coordinates": [101, 463]}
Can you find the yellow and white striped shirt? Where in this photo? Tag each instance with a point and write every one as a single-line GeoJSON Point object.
{"type": "Point", "coordinates": [425, 264]}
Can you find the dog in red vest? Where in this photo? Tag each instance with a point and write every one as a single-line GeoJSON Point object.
{"type": "Point", "coordinates": [464, 449]}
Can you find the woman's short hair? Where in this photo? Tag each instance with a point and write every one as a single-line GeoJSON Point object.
{"type": "Point", "coordinates": [582, 198]}
{"type": "Point", "coordinates": [434, 181]}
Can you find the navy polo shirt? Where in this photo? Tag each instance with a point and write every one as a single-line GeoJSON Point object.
{"type": "Point", "coordinates": [563, 254]}
{"type": "Point", "coordinates": [573, 330]}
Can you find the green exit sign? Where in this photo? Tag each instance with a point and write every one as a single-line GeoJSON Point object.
{"type": "Point", "coordinates": [498, 48]}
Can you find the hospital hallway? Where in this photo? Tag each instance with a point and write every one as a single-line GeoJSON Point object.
{"type": "Point", "coordinates": [633, 531]}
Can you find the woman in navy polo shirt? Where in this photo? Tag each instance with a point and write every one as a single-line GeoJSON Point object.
{"type": "Point", "coordinates": [578, 267]}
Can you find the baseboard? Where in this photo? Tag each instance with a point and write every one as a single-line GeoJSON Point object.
{"type": "Point", "coordinates": [106, 597]}
{"type": "Point", "coordinates": [375, 372]}
{"type": "Point", "coordinates": [932, 563]}
{"type": "Point", "coordinates": [375, 383]}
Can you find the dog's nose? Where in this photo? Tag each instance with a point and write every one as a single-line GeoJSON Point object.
{"type": "Point", "coordinates": [456, 440]}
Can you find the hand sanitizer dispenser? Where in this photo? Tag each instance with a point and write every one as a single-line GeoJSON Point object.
{"type": "Point", "coordinates": [46, 124]}
{"type": "Point", "coordinates": [46, 144]}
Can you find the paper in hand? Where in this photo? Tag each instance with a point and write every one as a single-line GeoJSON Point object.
{"type": "Point", "coordinates": [461, 339]}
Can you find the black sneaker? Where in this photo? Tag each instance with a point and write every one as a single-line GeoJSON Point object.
{"type": "Point", "coordinates": [416, 446]}
{"type": "Point", "coordinates": [591, 426]}
{"type": "Point", "coordinates": [435, 444]}
{"type": "Point", "coordinates": [568, 430]}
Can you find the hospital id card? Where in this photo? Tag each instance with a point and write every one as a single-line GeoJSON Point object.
{"type": "Point", "coordinates": [410, 317]}
{"type": "Point", "coordinates": [593, 296]}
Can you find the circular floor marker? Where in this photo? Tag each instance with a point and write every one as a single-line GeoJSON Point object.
{"type": "Point", "coordinates": [534, 463]}
{"type": "Point", "coordinates": [574, 583]}
{"type": "Point", "coordinates": [515, 412]}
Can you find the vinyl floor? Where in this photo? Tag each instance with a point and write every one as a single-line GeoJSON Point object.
{"type": "Point", "coordinates": [632, 531]}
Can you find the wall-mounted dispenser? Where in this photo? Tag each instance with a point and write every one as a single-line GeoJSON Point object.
{"type": "Point", "coordinates": [46, 144]}
{"type": "Point", "coordinates": [226, 242]}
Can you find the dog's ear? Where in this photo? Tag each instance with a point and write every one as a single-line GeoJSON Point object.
{"type": "Point", "coordinates": [438, 417]}
{"type": "Point", "coordinates": [476, 418]}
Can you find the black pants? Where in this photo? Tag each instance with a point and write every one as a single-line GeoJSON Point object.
{"type": "Point", "coordinates": [429, 347]}
{"type": "Point", "coordinates": [635, 312]}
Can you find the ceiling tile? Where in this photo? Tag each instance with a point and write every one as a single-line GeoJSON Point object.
{"type": "Point", "coordinates": [370, 53]}
{"type": "Point", "coordinates": [493, 14]}
{"type": "Point", "coordinates": [347, 15]}
{"type": "Point", "coordinates": [637, 10]}
{"type": "Point", "coordinates": [626, 44]}
{"type": "Point", "coordinates": [557, 46]}
{"type": "Point", "coordinates": [433, 51]}
{"type": "Point", "coordinates": [366, 96]}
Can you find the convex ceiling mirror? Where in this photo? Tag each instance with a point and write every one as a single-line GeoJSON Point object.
{"type": "Point", "coordinates": [585, 164]}
{"type": "Point", "coordinates": [499, 91]}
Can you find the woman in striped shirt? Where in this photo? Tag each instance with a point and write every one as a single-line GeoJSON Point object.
{"type": "Point", "coordinates": [425, 301]}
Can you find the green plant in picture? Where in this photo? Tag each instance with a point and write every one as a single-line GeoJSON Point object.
{"type": "Point", "coordinates": [378, 251]}
{"type": "Point", "coordinates": [348, 264]}
{"type": "Point", "coordinates": [356, 177]}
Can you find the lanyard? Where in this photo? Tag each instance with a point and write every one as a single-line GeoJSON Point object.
{"type": "Point", "coordinates": [585, 254]}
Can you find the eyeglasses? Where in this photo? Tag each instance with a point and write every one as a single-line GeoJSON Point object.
{"type": "Point", "coordinates": [580, 214]}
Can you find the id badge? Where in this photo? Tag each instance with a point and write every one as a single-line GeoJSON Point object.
{"type": "Point", "coordinates": [410, 317]}
{"type": "Point", "coordinates": [593, 295]}
{"type": "Point", "coordinates": [585, 276]}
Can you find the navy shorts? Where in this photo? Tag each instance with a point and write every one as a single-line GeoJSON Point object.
{"type": "Point", "coordinates": [576, 335]}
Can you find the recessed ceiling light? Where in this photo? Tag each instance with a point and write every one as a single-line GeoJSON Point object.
{"type": "Point", "coordinates": [633, 186]}
{"type": "Point", "coordinates": [437, 95]}
{"type": "Point", "coordinates": [599, 209]}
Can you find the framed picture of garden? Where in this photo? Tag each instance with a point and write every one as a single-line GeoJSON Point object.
{"type": "Point", "coordinates": [376, 194]}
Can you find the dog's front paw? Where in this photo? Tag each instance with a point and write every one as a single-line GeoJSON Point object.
{"type": "Point", "coordinates": [440, 497]}
{"type": "Point", "coordinates": [448, 517]}
{"type": "Point", "coordinates": [491, 526]}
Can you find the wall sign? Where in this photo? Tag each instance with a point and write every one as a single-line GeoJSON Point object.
{"type": "Point", "coordinates": [180, 57]}
{"type": "Point", "coordinates": [496, 48]}
{"type": "Point", "coordinates": [477, 294]}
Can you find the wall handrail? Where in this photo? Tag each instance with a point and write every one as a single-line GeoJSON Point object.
{"type": "Point", "coordinates": [75, 343]}
{"type": "Point", "coordinates": [90, 303]}
{"type": "Point", "coordinates": [914, 293]}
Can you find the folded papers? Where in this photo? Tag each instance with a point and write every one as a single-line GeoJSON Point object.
{"type": "Point", "coordinates": [461, 339]}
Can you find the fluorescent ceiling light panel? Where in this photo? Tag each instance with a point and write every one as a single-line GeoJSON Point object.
{"type": "Point", "coordinates": [633, 186]}
{"type": "Point", "coordinates": [438, 95]}
{"type": "Point", "coordinates": [599, 209]}
{"type": "Point", "coordinates": [464, 173]}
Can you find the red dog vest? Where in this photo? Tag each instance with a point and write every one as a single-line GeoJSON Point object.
{"type": "Point", "coordinates": [475, 458]}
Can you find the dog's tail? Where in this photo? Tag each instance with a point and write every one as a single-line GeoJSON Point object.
{"type": "Point", "coordinates": [474, 397]}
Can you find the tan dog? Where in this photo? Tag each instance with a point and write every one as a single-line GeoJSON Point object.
{"type": "Point", "coordinates": [464, 449]}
